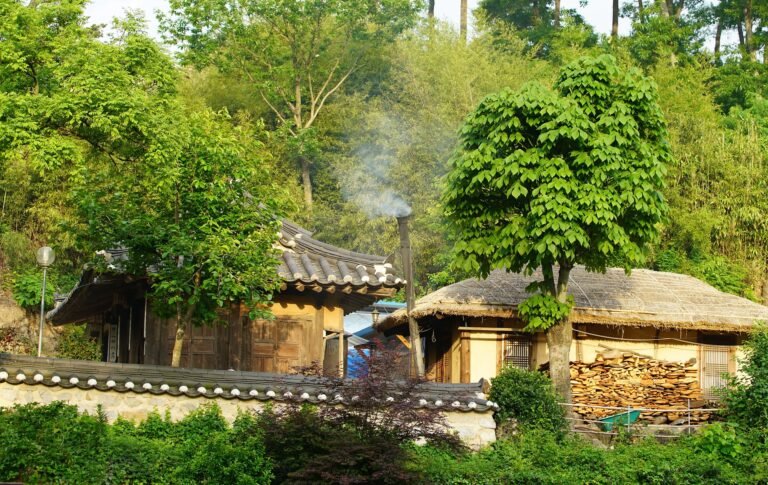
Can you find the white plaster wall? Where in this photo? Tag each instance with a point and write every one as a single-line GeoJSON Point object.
{"type": "Point", "coordinates": [475, 428]}
{"type": "Point", "coordinates": [483, 355]}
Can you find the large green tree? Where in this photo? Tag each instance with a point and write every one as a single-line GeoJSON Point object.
{"type": "Point", "coordinates": [296, 54]}
{"type": "Point", "coordinates": [550, 179]}
{"type": "Point", "coordinates": [198, 220]}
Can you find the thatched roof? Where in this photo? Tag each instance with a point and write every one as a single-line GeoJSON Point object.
{"type": "Point", "coordinates": [645, 298]}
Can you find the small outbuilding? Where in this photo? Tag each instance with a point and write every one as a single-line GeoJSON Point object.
{"type": "Point", "coordinates": [472, 328]}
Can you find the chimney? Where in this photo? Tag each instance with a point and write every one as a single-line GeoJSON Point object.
{"type": "Point", "coordinates": [413, 326]}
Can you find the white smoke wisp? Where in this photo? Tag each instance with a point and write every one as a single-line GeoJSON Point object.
{"type": "Point", "coordinates": [369, 183]}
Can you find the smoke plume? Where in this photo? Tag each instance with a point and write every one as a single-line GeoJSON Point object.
{"type": "Point", "coordinates": [369, 183]}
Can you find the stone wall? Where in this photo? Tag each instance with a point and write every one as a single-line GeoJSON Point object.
{"type": "Point", "coordinates": [134, 391]}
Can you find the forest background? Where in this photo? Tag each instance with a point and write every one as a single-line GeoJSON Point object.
{"type": "Point", "coordinates": [353, 107]}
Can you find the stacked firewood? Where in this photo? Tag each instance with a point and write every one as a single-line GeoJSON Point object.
{"type": "Point", "coordinates": [625, 379]}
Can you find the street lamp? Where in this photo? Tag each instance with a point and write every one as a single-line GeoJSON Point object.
{"type": "Point", "coordinates": [45, 258]}
{"type": "Point", "coordinates": [375, 316]}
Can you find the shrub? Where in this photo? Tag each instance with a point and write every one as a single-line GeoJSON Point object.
{"type": "Point", "coordinates": [745, 397]}
{"type": "Point", "coordinates": [529, 398]}
{"type": "Point", "coordinates": [361, 441]}
{"type": "Point", "coordinates": [56, 444]}
{"type": "Point", "coordinates": [73, 343]}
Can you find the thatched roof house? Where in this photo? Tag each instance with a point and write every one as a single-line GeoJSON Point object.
{"type": "Point", "coordinates": [473, 331]}
{"type": "Point", "coordinates": [642, 298]}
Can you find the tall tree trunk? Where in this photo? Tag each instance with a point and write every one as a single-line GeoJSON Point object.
{"type": "Point", "coordinates": [740, 31]}
{"type": "Point", "coordinates": [306, 182]}
{"type": "Point", "coordinates": [718, 36]}
{"type": "Point", "coordinates": [748, 34]}
{"type": "Point", "coordinates": [559, 339]}
{"type": "Point", "coordinates": [640, 11]}
{"type": "Point", "coordinates": [664, 7]}
{"type": "Point", "coordinates": [431, 9]}
{"type": "Point", "coordinates": [557, 14]}
{"type": "Point", "coordinates": [615, 20]}
{"type": "Point", "coordinates": [463, 21]}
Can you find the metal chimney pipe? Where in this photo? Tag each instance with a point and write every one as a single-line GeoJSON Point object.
{"type": "Point", "coordinates": [413, 326]}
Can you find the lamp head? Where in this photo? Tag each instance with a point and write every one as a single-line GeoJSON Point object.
{"type": "Point", "coordinates": [45, 256]}
{"type": "Point", "coordinates": [375, 316]}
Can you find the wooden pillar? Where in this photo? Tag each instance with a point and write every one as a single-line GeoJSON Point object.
{"type": "Point", "coordinates": [341, 353]}
{"type": "Point", "coordinates": [465, 375]}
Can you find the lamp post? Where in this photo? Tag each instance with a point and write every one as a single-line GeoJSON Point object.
{"type": "Point", "coordinates": [45, 258]}
{"type": "Point", "coordinates": [375, 316]}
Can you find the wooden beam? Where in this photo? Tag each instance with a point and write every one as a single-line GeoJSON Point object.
{"type": "Point", "coordinates": [465, 370]}
{"type": "Point", "coordinates": [404, 341]}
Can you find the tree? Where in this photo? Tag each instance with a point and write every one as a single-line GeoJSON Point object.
{"type": "Point", "coordinates": [66, 99]}
{"type": "Point", "coordinates": [296, 54]}
{"type": "Point", "coordinates": [198, 221]}
{"type": "Point", "coordinates": [550, 179]}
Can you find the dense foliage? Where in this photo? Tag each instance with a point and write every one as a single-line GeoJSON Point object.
{"type": "Point", "coordinates": [541, 457]}
{"type": "Point", "coordinates": [397, 91]}
{"type": "Point", "coordinates": [746, 395]}
{"type": "Point", "coordinates": [56, 444]}
{"type": "Point", "coordinates": [527, 397]}
{"type": "Point", "coordinates": [74, 343]}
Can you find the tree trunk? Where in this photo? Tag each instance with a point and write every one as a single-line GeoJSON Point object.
{"type": "Point", "coordinates": [183, 320]}
{"type": "Point", "coordinates": [748, 34]}
{"type": "Point", "coordinates": [559, 338]}
{"type": "Point", "coordinates": [178, 343]}
{"type": "Point", "coordinates": [557, 14]}
{"type": "Point", "coordinates": [615, 20]}
{"type": "Point", "coordinates": [740, 31]}
{"type": "Point", "coordinates": [640, 10]}
{"type": "Point", "coordinates": [463, 21]}
{"type": "Point", "coordinates": [431, 9]}
{"type": "Point", "coordinates": [306, 182]}
{"type": "Point", "coordinates": [664, 8]}
{"type": "Point", "coordinates": [718, 36]}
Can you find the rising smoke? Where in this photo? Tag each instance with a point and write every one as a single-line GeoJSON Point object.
{"type": "Point", "coordinates": [369, 183]}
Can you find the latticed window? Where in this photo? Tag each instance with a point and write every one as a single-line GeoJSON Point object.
{"type": "Point", "coordinates": [715, 364]}
{"type": "Point", "coordinates": [517, 350]}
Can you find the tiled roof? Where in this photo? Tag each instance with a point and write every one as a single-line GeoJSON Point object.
{"type": "Point", "coordinates": [307, 261]}
{"type": "Point", "coordinates": [217, 384]}
{"type": "Point", "coordinates": [306, 265]}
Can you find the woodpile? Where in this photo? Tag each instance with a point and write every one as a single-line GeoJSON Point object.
{"type": "Point", "coordinates": [624, 379]}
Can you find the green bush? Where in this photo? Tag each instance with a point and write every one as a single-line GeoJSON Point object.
{"type": "Point", "coordinates": [745, 396]}
{"type": "Point", "coordinates": [542, 457]}
{"type": "Point", "coordinates": [26, 288]}
{"type": "Point", "coordinates": [56, 444]}
{"type": "Point", "coordinates": [73, 343]}
{"type": "Point", "coordinates": [527, 397]}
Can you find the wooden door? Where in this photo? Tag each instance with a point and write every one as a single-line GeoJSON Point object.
{"type": "Point", "coordinates": [200, 349]}
{"type": "Point", "coordinates": [276, 345]}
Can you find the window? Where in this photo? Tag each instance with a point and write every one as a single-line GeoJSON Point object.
{"type": "Point", "coordinates": [715, 363]}
{"type": "Point", "coordinates": [517, 350]}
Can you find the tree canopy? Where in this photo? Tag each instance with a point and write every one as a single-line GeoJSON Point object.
{"type": "Point", "coordinates": [551, 179]}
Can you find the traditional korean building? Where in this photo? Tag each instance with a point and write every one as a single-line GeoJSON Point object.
{"type": "Point", "coordinates": [321, 283]}
{"type": "Point", "coordinates": [472, 328]}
